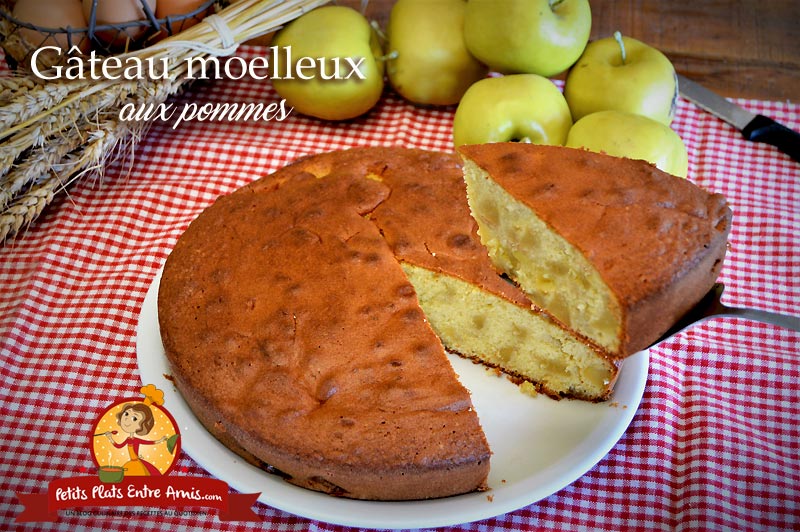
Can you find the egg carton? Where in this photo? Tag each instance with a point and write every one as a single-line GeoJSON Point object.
{"type": "Point", "coordinates": [103, 39]}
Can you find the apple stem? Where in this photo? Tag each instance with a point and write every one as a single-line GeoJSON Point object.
{"type": "Point", "coordinates": [555, 3]}
{"type": "Point", "coordinates": [618, 38]}
{"type": "Point", "coordinates": [378, 31]}
{"type": "Point", "coordinates": [394, 54]}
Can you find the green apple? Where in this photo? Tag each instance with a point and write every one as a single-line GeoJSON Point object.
{"type": "Point", "coordinates": [428, 62]}
{"type": "Point", "coordinates": [624, 74]}
{"type": "Point", "coordinates": [540, 37]}
{"type": "Point", "coordinates": [335, 38]}
{"type": "Point", "coordinates": [633, 136]}
{"type": "Point", "coordinates": [516, 107]}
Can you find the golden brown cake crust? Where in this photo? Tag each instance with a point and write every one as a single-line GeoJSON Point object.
{"type": "Point", "coordinates": [425, 220]}
{"type": "Point", "coordinates": [628, 218]}
{"type": "Point", "coordinates": [293, 333]}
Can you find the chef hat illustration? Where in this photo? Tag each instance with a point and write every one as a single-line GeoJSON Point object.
{"type": "Point", "coordinates": [152, 395]}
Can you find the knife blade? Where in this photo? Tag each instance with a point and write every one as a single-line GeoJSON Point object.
{"type": "Point", "coordinates": [754, 127]}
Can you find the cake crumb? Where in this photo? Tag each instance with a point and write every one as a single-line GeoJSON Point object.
{"type": "Point", "coordinates": [490, 498]}
{"type": "Point", "coordinates": [528, 389]}
{"type": "Point", "coordinates": [494, 371]}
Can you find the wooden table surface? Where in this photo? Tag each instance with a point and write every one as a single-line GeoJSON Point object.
{"type": "Point", "coordinates": [740, 48]}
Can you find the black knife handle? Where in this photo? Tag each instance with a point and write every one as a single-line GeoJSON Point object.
{"type": "Point", "coordinates": [767, 130]}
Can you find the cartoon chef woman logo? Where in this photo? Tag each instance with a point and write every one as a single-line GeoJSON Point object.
{"type": "Point", "coordinates": [136, 438]}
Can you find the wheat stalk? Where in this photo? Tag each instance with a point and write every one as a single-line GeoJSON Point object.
{"type": "Point", "coordinates": [38, 163]}
{"type": "Point", "coordinates": [15, 86]}
{"type": "Point", "coordinates": [58, 127]}
{"type": "Point", "coordinates": [50, 173]}
{"type": "Point", "coordinates": [26, 208]}
{"type": "Point", "coordinates": [31, 103]}
{"type": "Point", "coordinates": [56, 133]}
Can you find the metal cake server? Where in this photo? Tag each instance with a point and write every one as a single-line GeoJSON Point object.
{"type": "Point", "coordinates": [711, 306]}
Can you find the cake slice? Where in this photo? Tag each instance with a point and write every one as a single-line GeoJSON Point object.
{"type": "Point", "coordinates": [475, 312]}
{"type": "Point", "coordinates": [614, 248]}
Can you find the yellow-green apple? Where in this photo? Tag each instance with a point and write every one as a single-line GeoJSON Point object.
{"type": "Point", "coordinates": [328, 63]}
{"type": "Point", "coordinates": [633, 136]}
{"type": "Point", "coordinates": [428, 62]}
{"type": "Point", "coordinates": [516, 107]}
{"type": "Point", "coordinates": [624, 74]}
{"type": "Point", "coordinates": [540, 37]}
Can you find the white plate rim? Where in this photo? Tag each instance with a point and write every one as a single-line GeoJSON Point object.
{"type": "Point", "coordinates": [502, 497]}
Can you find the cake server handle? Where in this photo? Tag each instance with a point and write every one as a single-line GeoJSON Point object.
{"type": "Point", "coordinates": [710, 306]}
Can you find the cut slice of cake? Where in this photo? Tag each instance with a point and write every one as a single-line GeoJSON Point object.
{"type": "Point", "coordinates": [615, 248]}
{"type": "Point", "coordinates": [477, 313]}
{"type": "Point", "coordinates": [524, 343]}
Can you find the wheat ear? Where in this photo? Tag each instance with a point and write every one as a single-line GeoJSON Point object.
{"type": "Point", "coordinates": [100, 140]}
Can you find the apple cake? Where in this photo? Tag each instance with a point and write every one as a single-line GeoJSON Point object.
{"type": "Point", "coordinates": [304, 315]}
{"type": "Point", "coordinates": [614, 248]}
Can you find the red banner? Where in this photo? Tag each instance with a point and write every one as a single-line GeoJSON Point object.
{"type": "Point", "coordinates": [150, 492]}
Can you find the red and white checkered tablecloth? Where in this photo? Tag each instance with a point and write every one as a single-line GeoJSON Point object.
{"type": "Point", "coordinates": [715, 444]}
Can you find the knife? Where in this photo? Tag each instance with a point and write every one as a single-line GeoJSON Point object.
{"type": "Point", "coordinates": [757, 128]}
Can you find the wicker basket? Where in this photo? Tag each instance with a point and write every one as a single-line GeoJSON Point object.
{"type": "Point", "coordinates": [104, 40]}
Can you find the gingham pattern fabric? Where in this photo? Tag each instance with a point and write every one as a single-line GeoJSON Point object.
{"type": "Point", "coordinates": [713, 446]}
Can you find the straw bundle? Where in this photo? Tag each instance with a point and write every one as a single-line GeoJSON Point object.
{"type": "Point", "coordinates": [54, 133]}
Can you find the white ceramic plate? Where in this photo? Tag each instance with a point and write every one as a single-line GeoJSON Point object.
{"type": "Point", "coordinates": [539, 445]}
